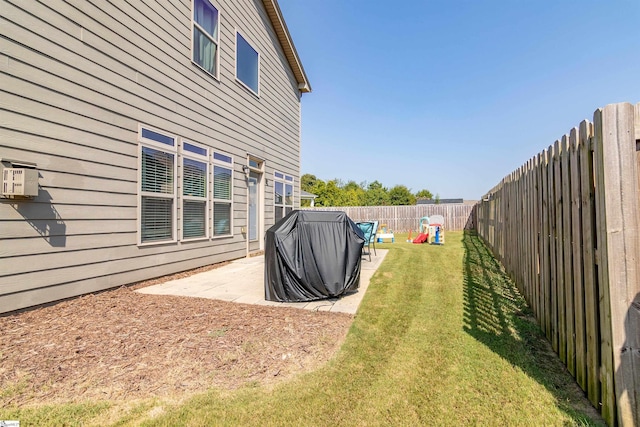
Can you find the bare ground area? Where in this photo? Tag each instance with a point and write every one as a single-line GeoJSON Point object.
{"type": "Point", "coordinates": [120, 345]}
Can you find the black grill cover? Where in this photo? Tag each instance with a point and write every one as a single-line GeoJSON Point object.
{"type": "Point", "coordinates": [311, 255]}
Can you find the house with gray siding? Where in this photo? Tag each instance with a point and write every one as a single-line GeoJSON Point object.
{"type": "Point", "coordinates": [161, 136]}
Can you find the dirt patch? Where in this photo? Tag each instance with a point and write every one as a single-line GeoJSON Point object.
{"type": "Point", "coordinates": [120, 344]}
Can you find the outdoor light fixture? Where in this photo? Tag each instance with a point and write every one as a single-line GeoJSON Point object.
{"type": "Point", "coordinates": [246, 170]}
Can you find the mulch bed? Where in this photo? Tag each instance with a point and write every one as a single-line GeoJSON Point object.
{"type": "Point", "coordinates": [120, 344]}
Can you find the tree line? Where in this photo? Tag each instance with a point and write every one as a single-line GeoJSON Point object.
{"type": "Point", "coordinates": [336, 193]}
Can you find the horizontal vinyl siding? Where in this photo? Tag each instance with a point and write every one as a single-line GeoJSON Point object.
{"type": "Point", "coordinates": [76, 80]}
{"type": "Point", "coordinates": [36, 245]}
{"type": "Point", "coordinates": [27, 272]}
{"type": "Point", "coordinates": [227, 117]}
{"type": "Point", "coordinates": [113, 278]}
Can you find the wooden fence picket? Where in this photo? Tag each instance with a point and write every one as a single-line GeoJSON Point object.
{"type": "Point", "coordinates": [552, 295]}
{"type": "Point", "coordinates": [567, 261]}
{"type": "Point", "coordinates": [576, 251]}
{"type": "Point", "coordinates": [535, 283]}
{"type": "Point", "coordinates": [548, 247]}
{"type": "Point", "coordinates": [543, 246]}
{"type": "Point", "coordinates": [556, 295]}
{"type": "Point", "coordinates": [606, 350]}
{"type": "Point", "coordinates": [588, 234]}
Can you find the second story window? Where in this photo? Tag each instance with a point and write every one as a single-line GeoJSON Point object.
{"type": "Point", "coordinates": [206, 36]}
{"type": "Point", "coordinates": [247, 64]}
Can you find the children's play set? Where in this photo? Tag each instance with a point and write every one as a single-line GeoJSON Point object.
{"type": "Point", "coordinates": [431, 230]}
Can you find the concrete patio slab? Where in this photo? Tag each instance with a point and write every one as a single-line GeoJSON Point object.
{"type": "Point", "coordinates": [242, 281]}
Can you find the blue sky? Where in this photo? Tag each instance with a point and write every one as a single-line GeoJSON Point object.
{"type": "Point", "coordinates": [452, 95]}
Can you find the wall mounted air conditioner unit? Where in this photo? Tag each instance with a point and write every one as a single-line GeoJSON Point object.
{"type": "Point", "coordinates": [19, 182]}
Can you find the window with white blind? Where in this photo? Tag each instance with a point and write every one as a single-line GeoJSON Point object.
{"type": "Point", "coordinates": [197, 195]}
{"type": "Point", "coordinates": [157, 186]}
{"type": "Point", "coordinates": [206, 39]}
{"type": "Point", "coordinates": [222, 193]}
{"type": "Point", "coordinates": [195, 168]}
{"type": "Point", "coordinates": [283, 194]}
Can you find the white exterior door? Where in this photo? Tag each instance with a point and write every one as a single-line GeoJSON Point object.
{"type": "Point", "coordinates": [255, 219]}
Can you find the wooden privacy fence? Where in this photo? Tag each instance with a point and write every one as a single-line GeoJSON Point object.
{"type": "Point", "coordinates": [404, 218]}
{"type": "Point", "coordinates": [565, 226]}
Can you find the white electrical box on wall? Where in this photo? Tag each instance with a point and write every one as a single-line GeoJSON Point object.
{"type": "Point", "coordinates": [19, 182]}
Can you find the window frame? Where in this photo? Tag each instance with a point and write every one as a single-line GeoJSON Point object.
{"type": "Point", "coordinates": [215, 40]}
{"type": "Point", "coordinates": [245, 85]}
{"type": "Point", "coordinates": [169, 149]}
{"type": "Point", "coordinates": [284, 179]}
{"type": "Point", "coordinates": [228, 165]}
{"type": "Point", "coordinates": [203, 158]}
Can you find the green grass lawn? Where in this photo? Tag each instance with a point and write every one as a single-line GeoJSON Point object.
{"type": "Point", "coordinates": [441, 338]}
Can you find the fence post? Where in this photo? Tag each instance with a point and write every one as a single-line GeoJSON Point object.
{"type": "Point", "coordinates": [616, 202]}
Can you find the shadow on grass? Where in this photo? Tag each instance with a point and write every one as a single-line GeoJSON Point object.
{"type": "Point", "coordinates": [498, 316]}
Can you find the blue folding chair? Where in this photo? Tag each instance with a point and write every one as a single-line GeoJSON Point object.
{"type": "Point", "coordinates": [369, 229]}
{"type": "Point", "coordinates": [373, 236]}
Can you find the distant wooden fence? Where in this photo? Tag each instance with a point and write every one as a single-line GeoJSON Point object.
{"type": "Point", "coordinates": [405, 218]}
{"type": "Point", "coordinates": [565, 226]}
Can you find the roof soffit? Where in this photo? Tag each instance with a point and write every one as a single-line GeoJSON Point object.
{"type": "Point", "coordinates": [277, 20]}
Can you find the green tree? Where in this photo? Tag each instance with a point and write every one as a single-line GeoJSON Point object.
{"type": "Point", "coordinates": [336, 193]}
{"type": "Point", "coordinates": [318, 188]}
{"type": "Point", "coordinates": [424, 194]}
{"type": "Point", "coordinates": [353, 193]}
{"type": "Point", "coordinates": [375, 185]}
{"type": "Point", "coordinates": [376, 195]}
{"type": "Point", "coordinates": [329, 194]}
{"type": "Point", "coordinates": [308, 182]}
{"type": "Point", "coordinates": [400, 195]}
{"type": "Point", "coordinates": [351, 185]}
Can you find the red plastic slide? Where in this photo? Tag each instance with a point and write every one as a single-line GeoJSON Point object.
{"type": "Point", "coordinates": [421, 238]}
